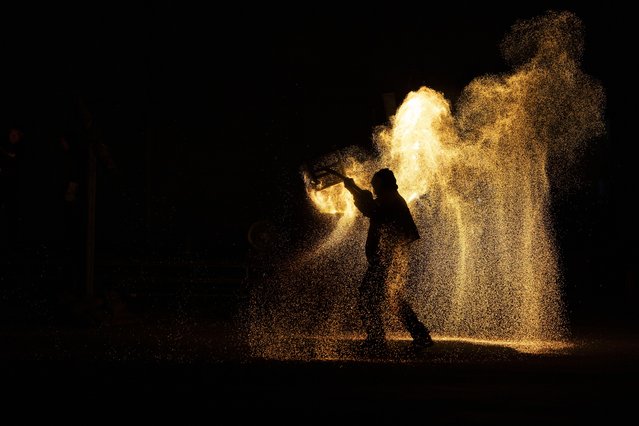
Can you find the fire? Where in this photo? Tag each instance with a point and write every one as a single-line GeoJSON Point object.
{"type": "Point", "coordinates": [415, 146]}
{"type": "Point", "coordinates": [412, 147]}
{"type": "Point", "coordinates": [334, 200]}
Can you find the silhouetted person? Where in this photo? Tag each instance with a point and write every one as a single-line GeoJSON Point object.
{"type": "Point", "coordinates": [390, 232]}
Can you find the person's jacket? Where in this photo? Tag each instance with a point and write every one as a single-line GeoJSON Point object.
{"type": "Point", "coordinates": [391, 223]}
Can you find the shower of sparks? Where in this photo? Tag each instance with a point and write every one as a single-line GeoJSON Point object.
{"type": "Point", "coordinates": [478, 184]}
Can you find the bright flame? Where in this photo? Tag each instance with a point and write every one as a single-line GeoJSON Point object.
{"type": "Point", "coordinates": [334, 200]}
{"type": "Point", "coordinates": [414, 147]}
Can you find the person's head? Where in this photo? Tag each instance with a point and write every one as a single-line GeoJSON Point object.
{"type": "Point", "coordinates": [384, 181]}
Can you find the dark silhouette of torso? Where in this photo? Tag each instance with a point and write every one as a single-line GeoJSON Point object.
{"type": "Point", "coordinates": [391, 223]}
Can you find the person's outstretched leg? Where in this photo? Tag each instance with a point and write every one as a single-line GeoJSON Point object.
{"type": "Point", "coordinates": [371, 296]}
{"type": "Point", "coordinates": [418, 331]}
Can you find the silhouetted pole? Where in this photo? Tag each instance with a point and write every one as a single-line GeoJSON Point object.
{"type": "Point", "coordinates": [90, 242]}
{"type": "Point", "coordinates": [91, 187]}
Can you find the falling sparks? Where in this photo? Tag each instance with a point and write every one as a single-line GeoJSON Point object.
{"type": "Point", "coordinates": [478, 184]}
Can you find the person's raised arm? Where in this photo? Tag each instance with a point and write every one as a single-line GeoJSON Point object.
{"type": "Point", "coordinates": [363, 198]}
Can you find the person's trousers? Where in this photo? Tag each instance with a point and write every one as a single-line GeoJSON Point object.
{"type": "Point", "coordinates": [372, 295]}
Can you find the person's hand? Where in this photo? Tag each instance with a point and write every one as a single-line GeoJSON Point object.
{"type": "Point", "coordinates": [349, 184]}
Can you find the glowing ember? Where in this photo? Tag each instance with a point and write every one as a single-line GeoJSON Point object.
{"type": "Point", "coordinates": [477, 183]}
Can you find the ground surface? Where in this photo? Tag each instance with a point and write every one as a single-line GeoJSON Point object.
{"type": "Point", "coordinates": [145, 367]}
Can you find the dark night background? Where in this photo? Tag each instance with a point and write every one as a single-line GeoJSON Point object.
{"type": "Point", "coordinates": [208, 112]}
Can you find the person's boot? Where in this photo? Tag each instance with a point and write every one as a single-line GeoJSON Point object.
{"type": "Point", "coordinates": [423, 341]}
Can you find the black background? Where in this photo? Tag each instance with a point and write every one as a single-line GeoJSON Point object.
{"type": "Point", "coordinates": [209, 111]}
